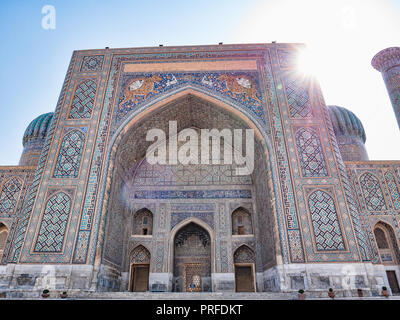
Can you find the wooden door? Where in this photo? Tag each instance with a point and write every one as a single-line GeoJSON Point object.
{"type": "Point", "coordinates": [244, 279]}
{"type": "Point", "coordinates": [394, 284]}
{"type": "Point", "coordinates": [140, 278]}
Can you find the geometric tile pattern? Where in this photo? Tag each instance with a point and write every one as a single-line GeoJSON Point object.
{"type": "Point", "coordinates": [92, 63]}
{"type": "Point", "coordinates": [54, 223]}
{"type": "Point", "coordinates": [82, 103]}
{"type": "Point", "coordinates": [394, 191]}
{"type": "Point", "coordinates": [372, 192]}
{"type": "Point", "coordinates": [140, 255]}
{"type": "Point", "coordinates": [310, 151]}
{"type": "Point", "coordinates": [9, 195]}
{"type": "Point", "coordinates": [70, 154]}
{"type": "Point", "coordinates": [244, 255]}
{"type": "Point", "coordinates": [298, 99]}
{"type": "Point", "coordinates": [327, 232]}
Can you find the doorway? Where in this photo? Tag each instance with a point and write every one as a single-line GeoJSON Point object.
{"type": "Point", "coordinates": [393, 282]}
{"type": "Point", "coordinates": [140, 277]}
{"type": "Point", "coordinates": [244, 278]}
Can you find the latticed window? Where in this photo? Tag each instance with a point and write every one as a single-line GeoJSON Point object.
{"type": "Point", "coordinates": [69, 157]}
{"type": "Point", "coordinates": [381, 240]}
{"type": "Point", "coordinates": [54, 223]}
{"type": "Point", "coordinates": [327, 231]}
{"type": "Point", "coordinates": [372, 192]}
{"type": "Point", "coordinates": [241, 222]}
{"type": "Point", "coordinates": [82, 103]}
{"type": "Point", "coordinates": [312, 158]}
{"type": "Point", "coordinates": [9, 195]}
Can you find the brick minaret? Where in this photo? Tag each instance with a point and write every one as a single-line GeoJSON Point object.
{"type": "Point", "coordinates": [387, 62]}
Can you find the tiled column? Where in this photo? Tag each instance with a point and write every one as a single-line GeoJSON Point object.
{"type": "Point", "coordinates": [387, 62]}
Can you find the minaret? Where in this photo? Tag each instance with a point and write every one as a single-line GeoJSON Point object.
{"type": "Point", "coordinates": [387, 62]}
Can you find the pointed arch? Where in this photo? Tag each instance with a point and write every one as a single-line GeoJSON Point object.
{"type": "Point", "coordinates": [4, 231]}
{"type": "Point", "coordinates": [139, 255]}
{"type": "Point", "coordinates": [242, 222]}
{"type": "Point", "coordinates": [387, 243]}
{"type": "Point", "coordinates": [142, 222]}
{"type": "Point", "coordinates": [244, 254]}
{"type": "Point", "coordinates": [70, 154]}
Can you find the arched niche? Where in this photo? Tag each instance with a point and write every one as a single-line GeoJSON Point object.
{"type": "Point", "coordinates": [242, 223]}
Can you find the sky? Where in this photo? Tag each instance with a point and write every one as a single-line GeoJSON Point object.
{"type": "Point", "coordinates": [342, 37]}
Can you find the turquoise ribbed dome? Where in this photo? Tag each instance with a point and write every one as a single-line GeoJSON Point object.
{"type": "Point", "coordinates": [38, 128]}
{"type": "Point", "coordinates": [346, 123]}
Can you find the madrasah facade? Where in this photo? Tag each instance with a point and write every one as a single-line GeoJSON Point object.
{"type": "Point", "coordinates": [85, 211]}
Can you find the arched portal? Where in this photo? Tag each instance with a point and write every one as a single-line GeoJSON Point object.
{"type": "Point", "coordinates": [140, 268]}
{"type": "Point", "coordinates": [3, 238]}
{"type": "Point", "coordinates": [389, 253]}
{"type": "Point", "coordinates": [176, 192]}
{"type": "Point", "coordinates": [244, 260]}
{"type": "Point", "coordinates": [192, 259]}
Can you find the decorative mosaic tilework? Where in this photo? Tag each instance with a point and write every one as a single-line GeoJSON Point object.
{"type": "Point", "coordinates": [69, 157]}
{"type": "Point", "coordinates": [285, 58]}
{"type": "Point", "coordinates": [244, 255]}
{"type": "Point", "coordinates": [358, 221]}
{"type": "Point", "coordinates": [298, 98]}
{"type": "Point", "coordinates": [312, 158]}
{"type": "Point", "coordinates": [190, 194]}
{"type": "Point", "coordinates": [54, 223]}
{"type": "Point", "coordinates": [394, 191]}
{"type": "Point", "coordinates": [160, 256]}
{"type": "Point", "coordinates": [294, 251]}
{"type": "Point", "coordinates": [32, 193]}
{"type": "Point", "coordinates": [224, 256]}
{"type": "Point", "coordinates": [327, 231]}
{"type": "Point", "coordinates": [240, 87]}
{"type": "Point", "coordinates": [92, 63]}
{"type": "Point", "coordinates": [140, 255]}
{"type": "Point", "coordinates": [177, 217]}
{"type": "Point", "coordinates": [93, 201]}
{"type": "Point", "coordinates": [372, 192]}
{"type": "Point", "coordinates": [9, 195]}
{"type": "Point", "coordinates": [82, 103]}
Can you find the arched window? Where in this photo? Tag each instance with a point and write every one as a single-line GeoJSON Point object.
{"type": "Point", "coordinates": [143, 223]}
{"type": "Point", "coordinates": [381, 239]}
{"type": "Point", "coordinates": [54, 223]}
{"type": "Point", "coordinates": [3, 238]}
{"type": "Point", "coordinates": [386, 243]}
{"type": "Point", "coordinates": [241, 222]}
{"type": "Point", "coordinates": [69, 157]}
